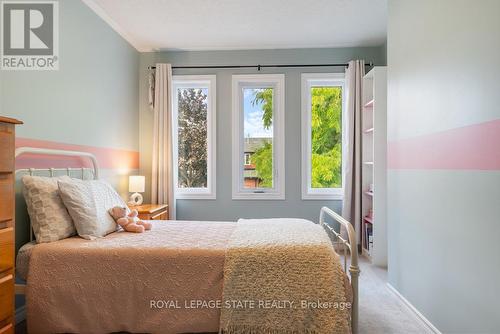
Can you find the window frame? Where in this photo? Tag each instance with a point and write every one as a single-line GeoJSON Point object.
{"type": "Point", "coordinates": [196, 81]}
{"type": "Point", "coordinates": [308, 81]}
{"type": "Point", "coordinates": [277, 82]}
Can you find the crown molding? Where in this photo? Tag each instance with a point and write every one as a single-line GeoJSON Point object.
{"type": "Point", "coordinates": [115, 26]}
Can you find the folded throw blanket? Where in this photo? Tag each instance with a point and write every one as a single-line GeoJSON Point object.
{"type": "Point", "coordinates": [283, 276]}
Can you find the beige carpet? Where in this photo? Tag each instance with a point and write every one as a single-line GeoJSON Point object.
{"type": "Point", "coordinates": [381, 312]}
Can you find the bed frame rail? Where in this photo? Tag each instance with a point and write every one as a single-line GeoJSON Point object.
{"type": "Point", "coordinates": [351, 244]}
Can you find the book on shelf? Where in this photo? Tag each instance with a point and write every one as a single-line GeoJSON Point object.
{"type": "Point", "coordinates": [369, 237]}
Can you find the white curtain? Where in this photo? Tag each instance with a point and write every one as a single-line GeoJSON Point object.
{"type": "Point", "coordinates": [351, 207]}
{"type": "Point", "coordinates": [162, 177]}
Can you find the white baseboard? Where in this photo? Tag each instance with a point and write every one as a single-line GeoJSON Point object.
{"type": "Point", "coordinates": [427, 323]}
{"type": "Point", "coordinates": [20, 314]}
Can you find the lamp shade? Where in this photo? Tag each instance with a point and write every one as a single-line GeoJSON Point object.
{"type": "Point", "coordinates": [136, 183]}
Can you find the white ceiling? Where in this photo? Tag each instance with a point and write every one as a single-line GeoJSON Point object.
{"type": "Point", "coordinates": [245, 24]}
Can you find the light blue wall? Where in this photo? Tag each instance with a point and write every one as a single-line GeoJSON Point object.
{"type": "Point", "coordinates": [224, 208]}
{"type": "Point", "coordinates": [443, 224]}
{"type": "Point", "coordinates": [92, 100]}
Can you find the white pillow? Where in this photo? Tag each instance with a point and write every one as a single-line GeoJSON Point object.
{"type": "Point", "coordinates": [88, 203]}
{"type": "Point", "coordinates": [48, 215]}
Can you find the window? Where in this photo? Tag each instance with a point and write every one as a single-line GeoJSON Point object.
{"type": "Point", "coordinates": [247, 159]}
{"type": "Point", "coordinates": [258, 136]}
{"type": "Point", "coordinates": [322, 137]}
{"type": "Point", "coordinates": [193, 99]}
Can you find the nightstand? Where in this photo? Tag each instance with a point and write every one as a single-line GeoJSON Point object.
{"type": "Point", "coordinates": [151, 211]}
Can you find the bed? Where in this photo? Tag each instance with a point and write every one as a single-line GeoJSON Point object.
{"type": "Point", "coordinates": [175, 278]}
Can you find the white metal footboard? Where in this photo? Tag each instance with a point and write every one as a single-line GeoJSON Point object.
{"type": "Point", "coordinates": [351, 244]}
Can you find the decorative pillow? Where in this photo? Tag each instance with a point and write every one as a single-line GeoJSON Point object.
{"type": "Point", "coordinates": [49, 217]}
{"type": "Point", "coordinates": [88, 203]}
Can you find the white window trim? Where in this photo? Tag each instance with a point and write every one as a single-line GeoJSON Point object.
{"type": "Point", "coordinates": [277, 81]}
{"type": "Point", "coordinates": [195, 81]}
{"type": "Point", "coordinates": [309, 80]}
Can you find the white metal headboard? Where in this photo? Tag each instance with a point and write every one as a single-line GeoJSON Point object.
{"type": "Point", "coordinates": [46, 151]}
{"type": "Point", "coordinates": [55, 171]}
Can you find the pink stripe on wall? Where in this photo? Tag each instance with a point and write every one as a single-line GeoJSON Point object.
{"type": "Point", "coordinates": [472, 147]}
{"type": "Point", "coordinates": [106, 157]}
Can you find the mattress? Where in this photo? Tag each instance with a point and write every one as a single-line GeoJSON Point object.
{"type": "Point", "coordinates": [24, 253]}
{"type": "Point", "coordinates": [23, 260]}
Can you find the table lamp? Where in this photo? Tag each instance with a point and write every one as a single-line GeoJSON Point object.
{"type": "Point", "coordinates": [136, 185]}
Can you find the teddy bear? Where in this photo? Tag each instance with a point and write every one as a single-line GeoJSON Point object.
{"type": "Point", "coordinates": [129, 221]}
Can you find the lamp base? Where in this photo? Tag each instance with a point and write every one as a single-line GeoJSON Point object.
{"type": "Point", "coordinates": [135, 199]}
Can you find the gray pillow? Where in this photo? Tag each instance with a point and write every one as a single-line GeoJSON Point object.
{"type": "Point", "coordinates": [49, 217]}
{"type": "Point", "coordinates": [88, 203]}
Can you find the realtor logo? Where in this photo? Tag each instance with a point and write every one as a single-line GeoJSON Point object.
{"type": "Point", "coordinates": [30, 35]}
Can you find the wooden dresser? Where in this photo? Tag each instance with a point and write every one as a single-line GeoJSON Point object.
{"type": "Point", "coordinates": [7, 178]}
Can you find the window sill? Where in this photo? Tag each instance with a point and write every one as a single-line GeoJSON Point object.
{"type": "Point", "coordinates": [196, 196]}
{"type": "Point", "coordinates": [322, 196]}
{"type": "Point", "coordinates": [258, 196]}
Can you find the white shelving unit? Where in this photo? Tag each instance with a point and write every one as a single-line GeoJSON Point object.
{"type": "Point", "coordinates": [374, 168]}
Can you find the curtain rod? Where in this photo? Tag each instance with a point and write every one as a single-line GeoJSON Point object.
{"type": "Point", "coordinates": [258, 67]}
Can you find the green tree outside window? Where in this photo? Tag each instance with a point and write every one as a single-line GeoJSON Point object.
{"type": "Point", "coordinates": [326, 137]}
